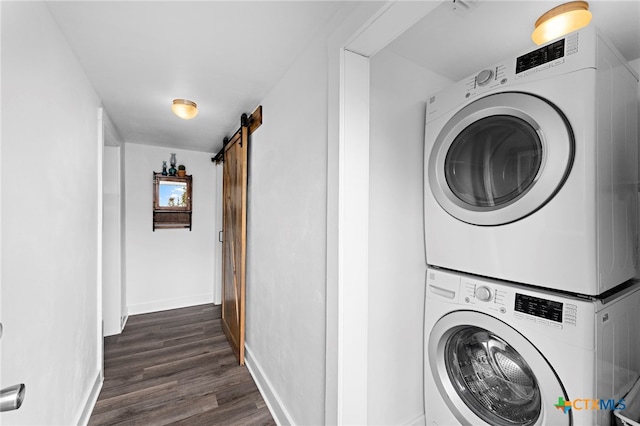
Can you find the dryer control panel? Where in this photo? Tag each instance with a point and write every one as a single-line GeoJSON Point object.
{"type": "Point", "coordinates": [573, 52]}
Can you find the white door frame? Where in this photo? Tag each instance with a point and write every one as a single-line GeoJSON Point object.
{"type": "Point", "coordinates": [217, 279]}
{"type": "Point", "coordinates": [347, 368]}
{"type": "Point", "coordinates": [113, 288]}
{"type": "Point", "coordinates": [99, 231]}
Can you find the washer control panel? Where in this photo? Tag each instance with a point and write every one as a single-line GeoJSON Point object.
{"type": "Point", "coordinates": [533, 312]}
{"type": "Point", "coordinates": [484, 295]}
{"type": "Point", "coordinates": [539, 307]}
{"type": "Point", "coordinates": [520, 305]}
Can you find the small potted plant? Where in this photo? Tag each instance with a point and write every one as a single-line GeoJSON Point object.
{"type": "Point", "coordinates": [182, 171]}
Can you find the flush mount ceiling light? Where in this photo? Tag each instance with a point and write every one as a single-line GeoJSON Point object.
{"type": "Point", "coordinates": [561, 20]}
{"type": "Point", "coordinates": [184, 108]}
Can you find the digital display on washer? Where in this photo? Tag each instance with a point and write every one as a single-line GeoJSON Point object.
{"type": "Point", "coordinates": [543, 308]}
{"type": "Point", "coordinates": [541, 56]}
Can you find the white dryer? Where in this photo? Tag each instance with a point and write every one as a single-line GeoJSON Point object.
{"type": "Point", "coordinates": [531, 169]}
{"type": "Point", "coordinates": [503, 355]}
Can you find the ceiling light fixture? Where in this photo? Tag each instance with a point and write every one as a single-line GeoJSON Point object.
{"type": "Point", "coordinates": [184, 108]}
{"type": "Point", "coordinates": [561, 20]}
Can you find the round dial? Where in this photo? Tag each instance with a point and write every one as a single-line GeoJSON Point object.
{"type": "Point", "coordinates": [483, 293]}
{"type": "Point", "coordinates": [484, 77]}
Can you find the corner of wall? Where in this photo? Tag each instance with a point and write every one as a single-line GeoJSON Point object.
{"type": "Point", "coordinates": [91, 400]}
{"type": "Point", "coordinates": [268, 392]}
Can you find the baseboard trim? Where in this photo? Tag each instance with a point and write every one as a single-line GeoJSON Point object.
{"type": "Point", "coordinates": [275, 405]}
{"type": "Point", "coordinates": [123, 321]}
{"type": "Point", "coordinates": [164, 305]}
{"type": "Point", "coordinates": [91, 401]}
{"type": "Point", "coordinates": [421, 420]}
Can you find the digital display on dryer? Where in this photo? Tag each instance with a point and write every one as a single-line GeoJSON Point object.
{"type": "Point", "coordinates": [541, 56]}
{"type": "Point", "coordinates": [542, 308]}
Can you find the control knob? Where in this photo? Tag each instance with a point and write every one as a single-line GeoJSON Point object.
{"type": "Point", "coordinates": [483, 293]}
{"type": "Point", "coordinates": [484, 77]}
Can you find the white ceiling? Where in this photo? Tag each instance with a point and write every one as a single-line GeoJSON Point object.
{"type": "Point", "coordinates": [223, 55]}
{"type": "Point", "coordinates": [227, 55]}
{"type": "Point", "coordinates": [459, 43]}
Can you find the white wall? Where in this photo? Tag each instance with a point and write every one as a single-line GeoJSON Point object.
{"type": "Point", "coordinates": [292, 273]}
{"type": "Point", "coordinates": [292, 289]}
{"type": "Point", "coordinates": [286, 258]}
{"type": "Point", "coordinates": [50, 196]}
{"type": "Point", "coordinates": [168, 268]}
{"type": "Point", "coordinates": [397, 264]}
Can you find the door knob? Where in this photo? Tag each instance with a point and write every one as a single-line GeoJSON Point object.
{"type": "Point", "coordinates": [11, 398]}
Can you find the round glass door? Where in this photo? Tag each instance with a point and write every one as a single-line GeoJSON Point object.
{"type": "Point", "coordinates": [492, 378]}
{"type": "Point", "coordinates": [494, 161]}
{"type": "Point", "coordinates": [488, 373]}
{"type": "Point", "coordinates": [500, 158]}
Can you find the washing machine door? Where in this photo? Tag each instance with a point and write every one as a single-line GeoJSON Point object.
{"type": "Point", "coordinates": [488, 373]}
{"type": "Point", "coordinates": [500, 158]}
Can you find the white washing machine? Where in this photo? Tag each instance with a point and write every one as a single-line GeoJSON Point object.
{"type": "Point", "coordinates": [503, 355]}
{"type": "Point", "coordinates": [531, 169]}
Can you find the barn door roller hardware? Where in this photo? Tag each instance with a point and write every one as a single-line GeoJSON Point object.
{"type": "Point", "coordinates": [252, 122]}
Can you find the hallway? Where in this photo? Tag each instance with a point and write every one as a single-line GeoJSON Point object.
{"type": "Point", "coordinates": [176, 367]}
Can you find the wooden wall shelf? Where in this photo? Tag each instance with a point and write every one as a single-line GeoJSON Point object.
{"type": "Point", "coordinates": [172, 204]}
{"type": "Point", "coordinates": [163, 219]}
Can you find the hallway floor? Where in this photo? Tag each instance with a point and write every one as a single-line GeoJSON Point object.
{"type": "Point", "coordinates": [176, 368]}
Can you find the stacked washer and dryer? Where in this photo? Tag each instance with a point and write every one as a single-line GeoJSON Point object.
{"type": "Point", "coordinates": [531, 222]}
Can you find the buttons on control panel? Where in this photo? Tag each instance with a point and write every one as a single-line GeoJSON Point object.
{"type": "Point", "coordinates": [570, 314]}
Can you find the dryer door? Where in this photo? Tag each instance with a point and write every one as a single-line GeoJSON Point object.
{"type": "Point", "coordinates": [500, 158]}
{"type": "Point", "coordinates": [489, 373]}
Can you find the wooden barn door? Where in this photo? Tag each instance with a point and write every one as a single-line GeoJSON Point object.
{"type": "Point", "coordinates": [234, 226]}
{"type": "Point", "coordinates": [234, 247]}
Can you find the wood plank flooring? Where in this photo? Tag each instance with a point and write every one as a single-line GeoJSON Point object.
{"type": "Point", "coordinates": [176, 368]}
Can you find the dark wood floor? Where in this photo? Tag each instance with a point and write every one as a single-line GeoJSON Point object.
{"type": "Point", "coordinates": [176, 367]}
